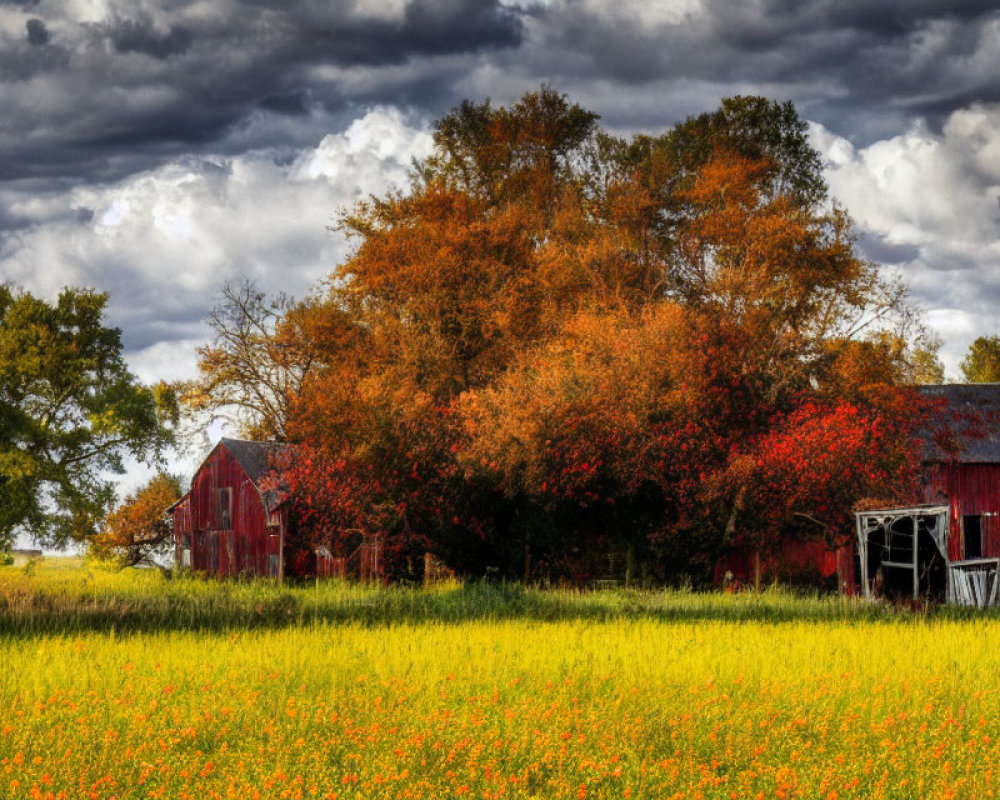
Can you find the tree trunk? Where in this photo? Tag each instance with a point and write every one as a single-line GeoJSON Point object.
{"type": "Point", "coordinates": [731, 522]}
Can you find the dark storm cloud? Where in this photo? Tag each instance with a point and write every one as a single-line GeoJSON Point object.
{"type": "Point", "coordinates": [314, 34]}
{"type": "Point", "coordinates": [26, 59]}
{"type": "Point", "coordinates": [845, 61]}
{"type": "Point", "coordinates": [884, 17]}
{"type": "Point", "coordinates": [140, 36]}
{"type": "Point", "coordinates": [147, 87]}
{"type": "Point", "coordinates": [38, 34]}
{"type": "Point", "coordinates": [142, 88]}
{"type": "Point", "coordinates": [97, 100]}
{"type": "Point", "coordinates": [877, 249]}
{"type": "Point", "coordinates": [291, 104]}
{"type": "Point", "coordinates": [139, 331]}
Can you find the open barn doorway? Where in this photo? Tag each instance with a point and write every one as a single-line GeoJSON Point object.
{"type": "Point", "coordinates": [904, 552]}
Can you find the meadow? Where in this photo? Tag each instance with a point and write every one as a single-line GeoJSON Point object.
{"type": "Point", "coordinates": [127, 685]}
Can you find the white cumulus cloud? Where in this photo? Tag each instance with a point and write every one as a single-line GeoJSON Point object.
{"type": "Point", "coordinates": [163, 242]}
{"type": "Point", "coordinates": [927, 203]}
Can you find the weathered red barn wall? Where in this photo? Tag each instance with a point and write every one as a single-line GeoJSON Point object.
{"type": "Point", "coordinates": [805, 557]}
{"type": "Point", "coordinates": [247, 544]}
{"type": "Point", "coordinates": [968, 489]}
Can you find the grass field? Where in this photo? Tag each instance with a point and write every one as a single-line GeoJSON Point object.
{"type": "Point", "coordinates": [125, 685]}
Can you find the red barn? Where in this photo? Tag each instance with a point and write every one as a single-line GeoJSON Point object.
{"type": "Point", "coordinates": [228, 523]}
{"type": "Point", "coordinates": [798, 562]}
{"type": "Point", "coordinates": [969, 483]}
{"type": "Point", "coordinates": [948, 546]}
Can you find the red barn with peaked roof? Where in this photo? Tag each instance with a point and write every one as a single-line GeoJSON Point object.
{"type": "Point", "coordinates": [965, 483]}
{"type": "Point", "coordinates": [229, 522]}
{"type": "Point", "coordinates": [969, 481]}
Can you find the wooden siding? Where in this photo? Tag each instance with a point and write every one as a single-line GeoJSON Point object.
{"type": "Point", "coordinates": [796, 561]}
{"type": "Point", "coordinates": [182, 531]}
{"type": "Point", "coordinates": [968, 489]}
{"type": "Point", "coordinates": [246, 545]}
{"type": "Point", "coordinates": [330, 566]}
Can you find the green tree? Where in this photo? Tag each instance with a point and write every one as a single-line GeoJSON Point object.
{"type": "Point", "coordinates": [758, 129]}
{"type": "Point", "coordinates": [924, 364]}
{"type": "Point", "coordinates": [524, 152]}
{"type": "Point", "coordinates": [982, 363]}
{"type": "Point", "coordinates": [70, 412]}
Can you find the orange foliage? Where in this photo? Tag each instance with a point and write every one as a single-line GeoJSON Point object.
{"type": "Point", "coordinates": [137, 530]}
{"type": "Point", "coordinates": [556, 342]}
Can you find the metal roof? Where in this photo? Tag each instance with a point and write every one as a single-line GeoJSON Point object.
{"type": "Point", "coordinates": [972, 414]}
{"type": "Point", "coordinates": [257, 460]}
{"type": "Point", "coordinates": [253, 457]}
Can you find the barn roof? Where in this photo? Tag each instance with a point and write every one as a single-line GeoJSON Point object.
{"type": "Point", "coordinates": [973, 417]}
{"type": "Point", "coordinates": [253, 457]}
{"type": "Point", "coordinates": [256, 459]}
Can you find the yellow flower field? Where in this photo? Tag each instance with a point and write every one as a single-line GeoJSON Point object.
{"type": "Point", "coordinates": [663, 697]}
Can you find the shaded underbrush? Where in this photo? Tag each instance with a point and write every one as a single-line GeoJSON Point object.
{"type": "Point", "coordinates": [65, 596]}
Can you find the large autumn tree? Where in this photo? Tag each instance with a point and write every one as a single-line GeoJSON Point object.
{"type": "Point", "coordinates": [678, 410]}
{"type": "Point", "coordinates": [557, 344]}
{"type": "Point", "coordinates": [70, 412]}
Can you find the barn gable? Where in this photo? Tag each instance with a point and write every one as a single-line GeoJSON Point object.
{"type": "Point", "coordinates": [256, 458]}
{"type": "Point", "coordinates": [226, 524]}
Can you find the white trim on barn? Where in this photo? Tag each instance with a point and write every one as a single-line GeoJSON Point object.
{"type": "Point", "coordinates": [895, 541]}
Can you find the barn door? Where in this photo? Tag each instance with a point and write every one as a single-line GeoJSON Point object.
{"type": "Point", "coordinates": [902, 552]}
{"type": "Point", "coordinates": [213, 551]}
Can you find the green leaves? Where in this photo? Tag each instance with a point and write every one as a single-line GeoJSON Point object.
{"type": "Point", "coordinates": [758, 129]}
{"type": "Point", "coordinates": [69, 411]}
{"type": "Point", "coordinates": [982, 363]}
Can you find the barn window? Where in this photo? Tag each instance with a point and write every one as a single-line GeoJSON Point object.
{"type": "Point", "coordinates": [972, 531]}
{"type": "Point", "coordinates": [226, 508]}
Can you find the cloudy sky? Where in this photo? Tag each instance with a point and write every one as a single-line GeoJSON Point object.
{"type": "Point", "coordinates": [157, 148]}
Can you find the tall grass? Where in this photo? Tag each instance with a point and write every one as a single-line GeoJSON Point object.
{"type": "Point", "coordinates": [65, 596]}
{"type": "Point", "coordinates": [342, 691]}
